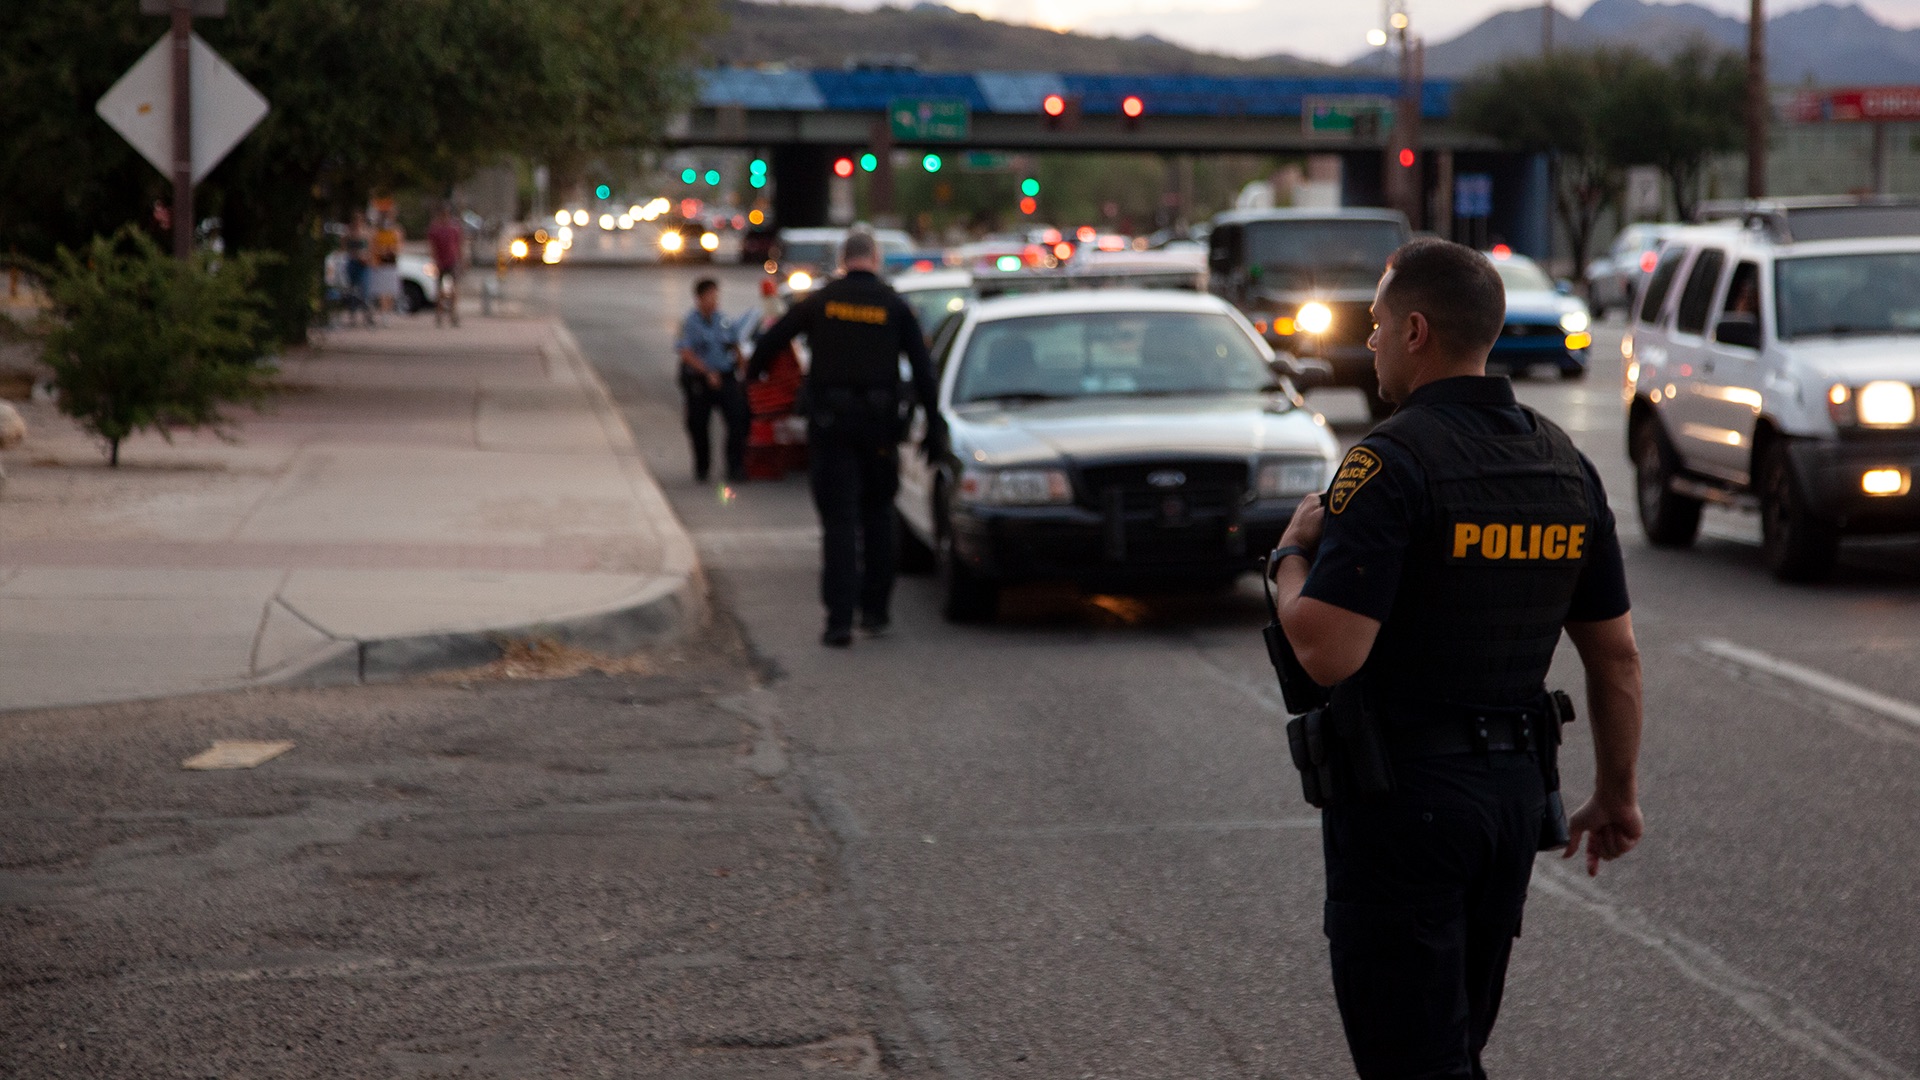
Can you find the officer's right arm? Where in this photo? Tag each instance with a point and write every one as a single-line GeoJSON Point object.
{"type": "Point", "coordinates": [1611, 818]}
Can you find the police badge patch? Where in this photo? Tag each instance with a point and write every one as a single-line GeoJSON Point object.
{"type": "Point", "coordinates": [1359, 466]}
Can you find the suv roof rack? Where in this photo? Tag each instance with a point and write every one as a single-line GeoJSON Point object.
{"type": "Point", "coordinates": [1819, 217]}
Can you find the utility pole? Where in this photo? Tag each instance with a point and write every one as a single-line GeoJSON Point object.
{"type": "Point", "coordinates": [1758, 104]}
{"type": "Point", "coordinates": [182, 12]}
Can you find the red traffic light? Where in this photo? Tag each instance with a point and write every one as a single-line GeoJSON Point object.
{"type": "Point", "coordinates": [1406, 159]}
{"type": "Point", "coordinates": [1132, 106]}
{"type": "Point", "coordinates": [1028, 205]}
{"type": "Point", "coordinates": [843, 167]}
{"type": "Point", "coordinates": [1053, 105]}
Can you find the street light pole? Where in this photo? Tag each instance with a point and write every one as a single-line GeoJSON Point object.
{"type": "Point", "coordinates": [182, 12]}
{"type": "Point", "coordinates": [1758, 105]}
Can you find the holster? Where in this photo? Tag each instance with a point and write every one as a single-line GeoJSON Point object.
{"type": "Point", "coordinates": [1339, 750]}
{"type": "Point", "coordinates": [1553, 823]}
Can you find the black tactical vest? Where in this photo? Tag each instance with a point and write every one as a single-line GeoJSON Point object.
{"type": "Point", "coordinates": [854, 334]}
{"type": "Point", "coordinates": [1490, 572]}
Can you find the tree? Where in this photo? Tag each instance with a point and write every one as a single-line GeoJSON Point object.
{"type": "Point", "coordinates": [1676, 116]}
{"type": "Point", "coordinates": [1553, 106]}
{"type": "Point", "coordinates": [142, 341]}
{"type": "Point", "coordinates": [366, 95]}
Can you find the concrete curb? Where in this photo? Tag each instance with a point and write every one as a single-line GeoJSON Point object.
{"type": "Point", "coordinates": [661, 611]}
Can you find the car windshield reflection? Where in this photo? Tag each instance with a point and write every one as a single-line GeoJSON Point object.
{"type": "Point", "coordinates": [1103, 354]}
{"type": "Point", "coordinates": [1848, 295]}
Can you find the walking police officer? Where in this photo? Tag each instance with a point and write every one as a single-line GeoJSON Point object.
{"type": "Point", "coordinates": [1429, 590]}
{"type": "Point", "coordinates": [857, 327]}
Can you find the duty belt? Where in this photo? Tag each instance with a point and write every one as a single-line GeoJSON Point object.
{"type": "Point", "coordinates": [1435, 730]}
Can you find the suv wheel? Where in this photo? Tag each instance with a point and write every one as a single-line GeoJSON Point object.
{"type": "Point", "coordinates": [1797, 545]}
{"type": "Point", "coordinates": [1669, 519]}
{"type": "Point", "coordinates": [968, 597]}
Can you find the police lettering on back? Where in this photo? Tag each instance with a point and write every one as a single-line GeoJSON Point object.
{"type": "Point", "coordinates": [1496, 541]}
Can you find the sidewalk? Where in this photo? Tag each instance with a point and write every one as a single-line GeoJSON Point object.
{"type": "Point", "coordinates": [415, 496]}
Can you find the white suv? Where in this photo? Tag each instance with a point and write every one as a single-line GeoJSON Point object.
{"type": "Point", "coordinates": [1771, 362]}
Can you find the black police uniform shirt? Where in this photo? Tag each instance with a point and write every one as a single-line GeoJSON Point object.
{"type": "Point", "coordinates": [856, 328]}
{"type": "Point", "coordinates": [1380, 494]}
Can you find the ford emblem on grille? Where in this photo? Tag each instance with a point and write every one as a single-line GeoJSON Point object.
{"type": "Point", "coordinates": [1166, 478]}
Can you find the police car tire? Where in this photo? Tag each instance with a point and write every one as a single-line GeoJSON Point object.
{"type": "Point", "coordinates": [967, 597]}
{"type": "Point", "coordinates": [1797, 545]}
{"type": "Point", "coordinates": [913, 557]}
{"type": "Point", "coordinates": [1669, 519]}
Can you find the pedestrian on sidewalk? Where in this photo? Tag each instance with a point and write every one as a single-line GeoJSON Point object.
{"type": "Point", "coordinates": [384, 252]}
{"type": "Point", "coordinates": [710, 379]}
{"type": "Point", "coordinates": [358, 243]}
{"type": "Point", "coordinates": [448, 241]}
{"type": "Point", "coordinates": [857, 327]}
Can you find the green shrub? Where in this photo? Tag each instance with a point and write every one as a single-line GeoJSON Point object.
{"type": "Point", "coordinates": [142, 341]}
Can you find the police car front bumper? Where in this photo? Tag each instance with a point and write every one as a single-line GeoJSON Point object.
{"type": "Point", "coordinates": [1518, 354]}
{"type": "Point", "coordinates": [1832, 474]}
{"type": "Point", "coordinates": [1087, 547]}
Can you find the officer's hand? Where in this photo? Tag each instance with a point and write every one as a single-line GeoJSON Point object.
{"type": "Point", "coordinates": [1611, 827]}
{"type": "Point", "coordinates": [1309, 518]}
{"type": "Point", "coordinates": [934, 442]}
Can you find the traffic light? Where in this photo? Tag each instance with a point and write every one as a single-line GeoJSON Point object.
{"type": "Point", "coordinates": [931, 163]}
{"type": "Point", "coordinates": [713, 178]}
{"type": "Point", "coordinates": [1406, 158]}
{"type": "Point", "coordinates": [757, 172]}
{"type": "Point", "coordinates": [1028, 205]}
{"type": "Point", "coordinates": [869, 162]}
{"type": "Point", "coordinates": [1030, 187]}
{"type": "Point", "coordinates": [1061, 111]}
{"type": "Point", "coordinates": [1132, 108]}
{"type": "Point", "coordinates": [688, 176]}
{"type": "Point", "coordinates": [843, 167]}
{"type": "Point", "coordinates": [603, 192]}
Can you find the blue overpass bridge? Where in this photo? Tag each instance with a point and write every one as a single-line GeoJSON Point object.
{"type": "Point", "coordinates": [803, 119]}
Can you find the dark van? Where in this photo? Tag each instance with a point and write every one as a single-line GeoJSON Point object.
{"type": "Point", "coordinates": [1305, 279]}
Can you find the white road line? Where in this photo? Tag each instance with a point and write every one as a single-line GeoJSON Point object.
{"type": "Point", "coordinates": [1770, 1008]}
{"type": "Point", "coordinates": [1858, 696]}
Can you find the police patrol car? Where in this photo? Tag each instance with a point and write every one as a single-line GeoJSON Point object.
{"type": "Point", "coordinates": [1771, 362]}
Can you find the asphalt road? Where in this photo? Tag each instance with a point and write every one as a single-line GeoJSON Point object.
{"type": "Point", "coordinates": [1076, 848]}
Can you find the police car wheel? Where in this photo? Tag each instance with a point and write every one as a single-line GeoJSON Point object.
{"type": "Point", "coordinates": [1797, 545]}
{"type": "Point", "coordinates": [913, 557]}
{"type": "Point", "coordinates": [1668, 518]}
{"type": "Point", "coordinates": [967, 596]}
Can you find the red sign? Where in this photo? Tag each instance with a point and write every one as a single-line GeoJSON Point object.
{"type": "Point", "coordinates": [1866, 103]}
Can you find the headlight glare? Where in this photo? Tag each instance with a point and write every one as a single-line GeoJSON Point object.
{"type": "Point", "coordinates": [1574, 322]}
{"type": "Point", "coordinates": [1885, 403]}
{"type": "Point", "coordinates": [1016, 487]}
{"type": "Point", "coordinates": [1314, 317]}
{"type": "Point", "coordinates": [1290, 479]}
{"type": "Point", "coordinates": [800, 281]}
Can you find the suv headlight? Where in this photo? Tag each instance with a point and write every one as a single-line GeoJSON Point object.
{"type": "Point", "coordinates": [1314, 317]}
{"type": "Point", "coordinates": [1016, 487]}
{"type": "Point", "coordinates": [1290, 479]}
{"type": "Point", "coordinates": [1881, 403]}
{"type": "Point", "coordinates": [1573, 322]}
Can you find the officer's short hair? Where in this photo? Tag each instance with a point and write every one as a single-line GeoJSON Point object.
{"type": "Point", "coordinates": [859, 244]}
{"type": "Point", "coordinates": [704, 286]}
{"type": "Point", "coordinates": [1454, 286]}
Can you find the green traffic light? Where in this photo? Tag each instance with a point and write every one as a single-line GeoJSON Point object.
{"type": "Point", "coordinates": [931, 163]}
{"type": "Point", "coordinates": [868, 162]}
{"type": "Point", "coordinates": [1029, 187]}
{"type": "Point", "coordinates": [602, 192]}
{"type": "Point", "coordinates": [688, 176]}
{"type": "Point", "coordinates": [757, 167]}
{"type": "Point", "coordinates": [758, 180]}
{"type": "Point", "coordinates": [713, 178]}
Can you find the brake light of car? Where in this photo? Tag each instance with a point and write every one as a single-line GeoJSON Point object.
{"type": "Point", "coordinates": [1647, 261]}
{"type": "Point", "coordinates": [1062, 251]}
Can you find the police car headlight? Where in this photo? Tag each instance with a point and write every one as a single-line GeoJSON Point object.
{"type": "Point", "coordinates": [1574, 322]}
{"type": "Point", "coordinates": [1885, 403]}
{"type": "Point", "coordinates": [1290, 479]}
{"type": "Point", "coordinates": [1314, 317]}
{"type": "Point", "coordinates": [800, 281]}
{"type": "Point", "coordinates": [1015, 487]}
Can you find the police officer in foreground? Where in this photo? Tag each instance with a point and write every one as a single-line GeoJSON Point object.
{"type": "Point", "coordinates": [857, 327]}
{"type": "Point", "coordinates": [1457, 542]}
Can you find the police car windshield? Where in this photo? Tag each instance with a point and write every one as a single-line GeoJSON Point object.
{"type": "Point", "coordinates": [932, 306]}
{"type": "Point", "coordinates": [1320, 254]}
{"type": "Point", "coordinates": [1522, 275]}
{"type": "Point", "coordinates": [1848, 295]}
{"type": "Point", "coordinates": [1109, 353]}
{"type": "Point", "coordinates": [810, 253]}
